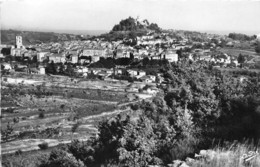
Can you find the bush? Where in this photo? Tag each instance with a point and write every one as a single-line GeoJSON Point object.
{"type": "Point", "coordinates": [43, 146]}
{"type": "Point", "coordinates": [230, 156]}
{"type": "Point", "coordinates": [18, 152]}
{"type": "Point", "coordinates": [257, 48]}
{"type": "Point", "coordinates": [8, 110]}
{"type": "Point", "coordinates": [60, 158]}
{"type": "Point", "coordinates": [41, 115]}
{"type": "Point", "coordinates": [134, 107]}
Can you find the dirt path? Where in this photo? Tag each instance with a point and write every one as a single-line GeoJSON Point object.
{"type": "Point", "coordinates": [32, 144]}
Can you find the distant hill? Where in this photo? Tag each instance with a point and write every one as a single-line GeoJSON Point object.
{"type": "Point", "coordinates": [81, 32]}
{"type": "Point", "coordinates": [131, 24]}
{"type": "Point", "coordinates": [32, 37]}
{"type": "Point", "coordinates": [130, 28]}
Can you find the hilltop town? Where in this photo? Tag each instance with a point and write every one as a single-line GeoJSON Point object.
{"type": "Point", "coordinates": [57, 92]}
{"type": "Point", "coordinates": [129, 55]}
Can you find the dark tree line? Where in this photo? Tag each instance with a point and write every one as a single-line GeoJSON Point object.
{"type": "Point", "coordinates": [257, 48]}
{"type": "Point", "coordinates": [241, 37]}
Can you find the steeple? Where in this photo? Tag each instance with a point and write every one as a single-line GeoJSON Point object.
{"type": "Point", "coordinates": [19, 41]}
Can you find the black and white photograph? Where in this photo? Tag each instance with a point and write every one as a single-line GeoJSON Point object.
{"type": "Point", "coordinates": [130, 83]}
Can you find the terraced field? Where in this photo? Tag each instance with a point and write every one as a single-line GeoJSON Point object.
{"type": "Point", "coordinates": [49, 114]}
{"type": "Point", "coordinates": [56, 110]}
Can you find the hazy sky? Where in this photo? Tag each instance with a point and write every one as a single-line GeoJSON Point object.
{"type": "Point", "coordinates": [218, 15]}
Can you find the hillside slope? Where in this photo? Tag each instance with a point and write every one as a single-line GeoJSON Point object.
{"type": "Point", "coordinates": [130, 28]}
{"type": "Point", "coordinates": [30, 37]}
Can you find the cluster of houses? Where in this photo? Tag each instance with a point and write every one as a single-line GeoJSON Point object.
{"type": "Point", "coordinates": [90, 51]}
{"type": "Point", "coordinates": [152, 45]}
{"type": "Point", "coordinates": [87, 52]}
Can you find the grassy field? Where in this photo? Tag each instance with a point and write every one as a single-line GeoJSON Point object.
{"type": "Point", "coordinates": [236, 52]}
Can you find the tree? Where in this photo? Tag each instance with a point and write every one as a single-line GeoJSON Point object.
{"type": "Point", "coordinates": [43, 146]}
{"type": "Point", "coordinates": [131, 56]}
{"type": "Point", "coordinates": [51, 68]}
{"type": "Point", "coordinates": [61, 69]}
{"type": "Point", "coordinates": [83, 151]}
{"type": "Point", "coordinates": [179, 52]}
{"type": "Point", "coordinates": [146, 61]}
{"type": "Point", "coordinates": [60, 158]}
{"type": "Point", "coordinates": [7, 133]}
{"type": "Point", "coordinates": [241, 59]}
{"type": "Point", "coordinates": [128, 24]}
{"type": "Point", "coordinates": [257, 48]}
{"type": "Point", "coordinates": [69, 70]}
{"type": "Point", "coordinates": [154, 26]}
{"type": "Point", "coordinates": [41, 114]}
{"type": "Point", "coordinates": [241, 37]}
{"type": "Point", "coordinates": [74, 128]}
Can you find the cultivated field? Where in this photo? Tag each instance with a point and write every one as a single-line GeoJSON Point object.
{"type": "Point", "coordinates": [55, 113]}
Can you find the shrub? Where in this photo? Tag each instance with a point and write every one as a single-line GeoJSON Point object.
{"type": "Point", "coordinates": [43, 146]}
{"type": "Point", "coordinates": [41, 115]}
{"type": "Point", "coordinates": [134, 107]}
{"type": "Point", "coordinates": [60, 158]}
{"type": "Point", "coordinates": [8, 110]}
{"type": "Point", "coordinates": [230, 156]}
{"type": "Point", "coordinates": [18, 152]}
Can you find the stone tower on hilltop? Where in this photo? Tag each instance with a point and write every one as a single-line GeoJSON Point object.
{"type": "Point", "coordinates": [19, 41]}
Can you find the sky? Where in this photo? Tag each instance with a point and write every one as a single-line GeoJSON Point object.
{"type": "Point", "coordinates": [197, 15]}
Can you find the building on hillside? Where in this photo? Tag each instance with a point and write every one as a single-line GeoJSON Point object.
{"type": "Point", "coordinates": [109, 53]}
{"type": "Point", "coordinates": [235, 62]}
{"type": "Point", "coordinates": [7, 66]}
{"type": "Point", "coordinates": [152, 77]}
{"type": "Point", "coordinates": [94, 52]}
{"type": "Point", "coordinates": [146, 79]}
{"type": "Point", "coordinates": [171, 56]}
{"type": "Point", "coordinates": [82, 70]}
{"type": "Point", "coordinates": [42, 70]}
{"type": "Point", "coordinates": [74, 59]}
{"type": "Point", "coordinates": [132, 88]}
{"type": "Point", "coordinates": [118, 71]}
{"type": "Point", "coordinates": [95, 58]}
{"type": "Point", "coordinates": [132, 73]}
{"type": "Point", "coordinates": [258, 36]}
{"type": "Point", "coordinates": [19, 42]}
{"type": "Point", "coordinates": [41, 56]}
{"type": "Point", "coordinates": [1, 56]}
{"type": "Point", "coordinates": [141, 73]}
{"type": "Point", "coordinates": [119, 53]}
{"type": "Point", "coordinates": [57, 58]}
{"type": "Point", "coordinates": [151, 90]}
{"type": "Point", "coordinates": [17, 52]}
{"type": "Point", "coordinates": [85, 59]}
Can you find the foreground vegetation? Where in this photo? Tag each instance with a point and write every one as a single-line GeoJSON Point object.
{"type": "Point", "coordinates": [233, 154]}
{"type": "Point", "coordinates": [196, 106]}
